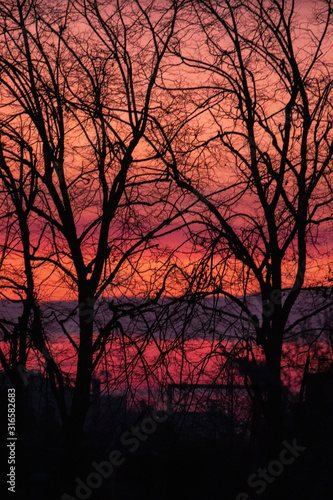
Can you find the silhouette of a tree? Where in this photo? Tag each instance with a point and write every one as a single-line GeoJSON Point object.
{"type": "Point", "coordinates": [84, 189]}
{"type": "Point", "coordinates": [257, 93]}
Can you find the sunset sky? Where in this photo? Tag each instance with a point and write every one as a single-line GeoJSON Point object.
{"type": "Point", "coordinates": [166, 209]}
{"type": "Point", "coordinates": [90, 102]}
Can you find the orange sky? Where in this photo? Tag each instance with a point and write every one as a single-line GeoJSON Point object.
{"type": "Point", "coordinates": [51, 283]}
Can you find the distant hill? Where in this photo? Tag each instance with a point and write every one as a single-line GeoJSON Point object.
{"type": "Point", "coordinates": [229, 317]}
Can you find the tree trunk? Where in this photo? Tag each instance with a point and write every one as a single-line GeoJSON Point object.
{"type": "Point", "coordinates": [274, 400]}
{"type": "Point", "coordinates": [81, 397]}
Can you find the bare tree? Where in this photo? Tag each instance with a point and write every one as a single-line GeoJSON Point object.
{"type": "Point", "coordinates": [124, 122]}
{"type": "Point", "coordinates": [256, 152]}
{"type": "Point", "coordinates": [88, 192]}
